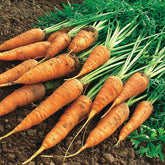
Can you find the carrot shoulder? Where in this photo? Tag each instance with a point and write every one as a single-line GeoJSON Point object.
{"type": "Point", "coordinates": [76, 112]}
{"type": "Point", "coordinates": [22, 97]}
{"type": "Point", "coordinates": [17, 71]}
{"type": "Point", "coordinates": [28, 37]}
{"type": "Point", "coordinates": [141, 114]}
{"type": "Point", "coordinates": [35, 50]}
{"type": "Point", "coordinates": [84, 38]}
{"type": "Point", "coordinates": [63, 95]}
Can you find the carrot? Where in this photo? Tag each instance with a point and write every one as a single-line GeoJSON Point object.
{"type": "Point", "coordinates": [106, 126]}
{"type": "Point", "coordinates": [58, 44]}
{"type": "Point", "coordinates": [22, 97]}
{"type": "Point", "coordinates": [84, 38]}
{"type": "Point", "coordinates": [66, 93]}
{"type": "Point", "coordinates": [55, 34]}
{"type": "Point", "coordinates": [97, 57]}
{"type": "Point", "coordinates": [17, 71]}
{"type": "Point", "coordinates": [53, 68]}
{"type": "Point", "coordinates": [35, 50]}
{"type": "Point", "coordinates": [101, 53]}
{"type": "Point", "coordinates": [141, 114]}
{"type": "Point", "coordinates": [76, 112]}
{"type": "Point", "coordinates": [110, 89]}
{"type": "Point", "coordinates": [135, 85]}
{"type": "Point", "coordinates": [28, 37]}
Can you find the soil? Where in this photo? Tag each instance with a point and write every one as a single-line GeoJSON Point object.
{"type": "Point", "coordinates": [17, 16]}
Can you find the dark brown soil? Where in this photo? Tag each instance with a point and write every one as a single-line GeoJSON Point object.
{"type": "Point", "coordinates": [17, 16]}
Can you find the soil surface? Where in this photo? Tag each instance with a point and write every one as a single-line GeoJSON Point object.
{"type": "Point", "coordinates": [17, 16]}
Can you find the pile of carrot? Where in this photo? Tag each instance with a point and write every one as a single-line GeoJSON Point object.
{"type": "Point", "coordinates": [61, 57]}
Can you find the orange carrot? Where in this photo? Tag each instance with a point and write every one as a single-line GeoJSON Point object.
{"type": "Point", "coordinates": [58, 44]}
{"type": "Point", "coordinates": [76, 112]}
{"type": "Point", "coordinates": [53, 68]}
{"type": "Point", "coordinates": [17, 71]}
{"type": "Point", "coordinates": [135, 85]}
{"type": "Point", "coordinates": [106, 126]}
{"type": "Point", "coordinates": [28, 37]}
{"type": "Point", "coordinates": [63, 95]}
{"type": "Point", "coordinates": [97, 57]}
{"type": "Point", "coordinates": [55, 34]}
{"type": "Point", "coordinates": [22, 97]}
{"type": "Point", "coordinates": [35, 50]}
{"type": "Point", "coordinates": [84, 38]}
{"type": "Point", "coordinates": [141, 114]}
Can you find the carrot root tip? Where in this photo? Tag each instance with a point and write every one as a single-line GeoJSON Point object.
{"type": "Point", "coordinates": [10, 133]}
{"type": "Point", "coordinates": [116, 144]}
{"type": "Point", "coordinates": [42, 148]}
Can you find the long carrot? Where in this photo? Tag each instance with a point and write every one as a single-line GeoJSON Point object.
{"type": "Point", "coordinates": [76, 112]}
{"type": "Point", "coordinates": [106, 126]}
{"type": "Point", "coordinates": [53, 68]}
{"type": "Point", "coordinates": [66, 93]}
{"type": "Point", "coordinates": [22, 97]}
{"type": "Point", "coordinates": [28, 37]}
{"type": "Point", "coordinates": [35, 50]}
{"type": "Point", "coordinates": [17, 71]}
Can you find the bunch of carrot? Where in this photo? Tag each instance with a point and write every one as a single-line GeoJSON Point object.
{"type": "Point", "coordinates": [116, 69]}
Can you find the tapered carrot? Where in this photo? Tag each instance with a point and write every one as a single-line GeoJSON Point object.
{"type": "Point", "coordinates": [101, 53]}
{"type": "Point", "coordinates": [76, 112]}
{"type": "Point", "coordinates": [84, 38]}
{"type": "Point", "coordinates": [106, 126]}
{"type": "Point", "coordinates": [28, 37]}
{"type": "Point", "coordinates": [141, 114]}
{"type": "Point", "coordinates": [35, 50]}
{"type": "Point", "coordinates": [58, 44]}
{"type": "Point", "coordinates": [55, 34]}
{"type": "Point", "coordinates": [66, 93]}
{"type": "Point", "coordinates": [17, 71]}
{"type": "Point", "coordinates": [135, 85]}
{"type": "Point", "coordinates": [53, 68]}
{"type": "Point", "coordinates": [22, 97]}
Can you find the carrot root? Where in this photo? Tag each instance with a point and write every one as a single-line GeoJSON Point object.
{"type": "Point", "coordinates": [42, 148]}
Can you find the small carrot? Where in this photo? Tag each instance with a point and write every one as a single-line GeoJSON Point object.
{"type": "Point", "coordinates": [55, 34]}
{"type": "Point", "coordinates": [66, 93]}
{"type": "Point", "coordinates": [53, 68]}
{"type": "Point", "coordinates": [142, 111]}
{"type": "Point", "coordinates": [58, 44]}
{"type": "Point", "coordinates": [135, 85]}
{"type": "Point", "coordinates": [106, 126]}
{"type": "Point", "coordinates": [28, 37]}
{"type": "Point", "coordinates": [141, 114]}
{"type": "Point", "coordinates": [22, 97]}
{"type": "Point", "coordinates": [35, 50]}
{"type": "Point", "coordinates": [84, 38]}
{"type": "Point", "coordinates": [17, 71]}
{"type": "Point", "coordinates": [76, 112]}
{"type": "Point", "coordinates": [101, 53]}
